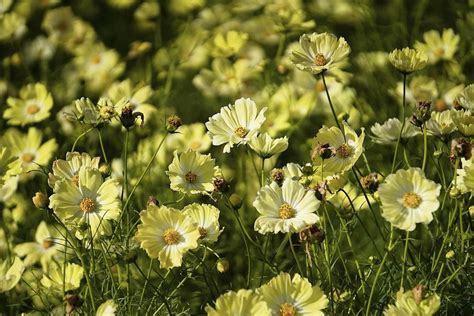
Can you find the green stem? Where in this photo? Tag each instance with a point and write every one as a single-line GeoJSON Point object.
{"type": "Point", "coordinates": [402, 120]}
{"type": "Point", "coordinates": [294, 255]}
{"type": "Point", "coordinates": [404, 260]}
{"type": "Point", "coordinates": [330, 102]}
{"type": "Point", "coordinates": [425, 148]}
{"type": "Point", "coordinates": [79, 137]}
{"type": "Point", "coordinates": [379, 271]}
{"type": "Point", "coordinates": [102, 146]}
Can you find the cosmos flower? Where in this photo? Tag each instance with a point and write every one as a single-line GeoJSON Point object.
{"type": "Point", "coordinates": [410, 303]}
{"type": "Point", "coordinates": [293, 296]}
{"type": "Point", "coordinates": [57, 276]}
{"type": "Point", "coordinates": [266, 146]}
{"type": "Point", "coordinates": [10, 273]}
{"type": "Point", "coordinates": [68, 169]}
{"type": "Point", "coordinates": [33, 106]}
{"type": "Point", "coordinates": [441, 123]}
{"type": "Point", "coordinates": [235, 124]}
{"type": "Point", "coordinates": [167, 234]}
{"type": "Point", "coordinates": [207, 219]}
{"type": "Point", "coordinates": [407, 60]}
{"type": "Point", "coordinates": [107, 308]}
{"type": "Point", "coordinates": [347, 148]}
{"type": "Point", "coordinates": [10, 165]}
{"type": "Point", "coordinates": [285, 209]}
{"type": "Point", "coordinates": [466, 98]}
{"type": "Point", "coordinates": [439, 47]}
{"type": "Point", "coordinates": [320, 52]}
{"type": "Point", "coordinates": [192, 172]}
{"type": "Point", "coordinates": [91, 201]}
{"type": "Point", "coordinates": [408, 198]}
{"type": "Point", "coordinates": [189, 137]}
{"type": "Point", "coordinates": [387, 133]}
{"type": "Point", "coordinates": [464, 121]}
{"type": "Point", "coordinates": [242, 302]}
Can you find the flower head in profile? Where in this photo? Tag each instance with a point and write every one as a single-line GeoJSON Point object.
{"type": "Point", "coordinates": [29, 148]}
{"type": "Point", "coordinates": [464, 121]}
{"type": "Point", "coordinates": [347, 148]}
{"type": "Point", "coordinates": [107, 308]}
{"type": "Point", "coordinates": [320, 52]}
{"type": "Point", "coordinates": [439, 46]}
{"type": "Point", "coordinates": [412, 302]}
{"type": "Point", "coordinates": [189, 137]}
{"type": "Point", "coordinates": [465, 175]}
{"type": "Point", "coordinates": [408, 198]}
{"type": "Point", "coordinates": [68, 169]}
{"type": "Point", "coordinates": [57, 276]}
{"type": "Point", "coordinates": [90, 201]}
{"type": "Point", "coordinates": [192, 172]}
{"type": "Point", "coordinates": [441, 123]}
{"type": "Point", "coordinates": [167, 234]}
{"type": "Point", "coordinates": [10, 273]}
{"type": "Point", "coordinates": [48, 245]}
{"type": "Point", "coordinates": [207, 219]}
{"type": "Point", "coordinates": [10, 165]}
{"type": "Point", "coordinates": [466, 98]}
{"type": "Point", "coordinates": [285, 209]}
{"type": "Point", "coordinates": [387, 133]}
{"type": "Point", "coordinates": [34, 105]}
{"type": "Point", "coordinates": [235, 124]}
{"type": "Point", "coordinates": [242, 302]}
{"type": "Point", "coordinates": [407, 60]}
{"type": "Point", "coordinates": [293, 296]}
{"type": "Point", "coordinates": [265, 146]}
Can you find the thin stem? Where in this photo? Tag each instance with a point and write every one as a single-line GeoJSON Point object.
{"type": "Point", "coordinates": [294, 255]}
{"type": "Point", "coordinates": [243, 233]}
{"type": "Point", "coordinates": [425, 149]}
{"type": "Point", "coordinates": [102, 146]}
{"type": "Point", "coordinates": [330, 102]}
{"type": "Point", "coordinates": [404, 260]}
{"type": "Point", "coordinates": [402, 119]}
{"type": "Point", "coordinates": [79, 137]}
{"type": "Point", "coordinates": [379, 271]}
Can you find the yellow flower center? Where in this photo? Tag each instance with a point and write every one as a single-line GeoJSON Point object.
{"type": "Point", "coordinates": [48, 243]}
{"type": "Point", "coordinates": [438, 52]}
{"type": "Point", "coordinates": [287, 309]}
{"type": "Point", "coordinates": [28, 157]}
{"type": "Point", "coordinates": [195, 145]}
{"type": "Point", "coordinates": [320, 60]}
{"type": "Point", "coordinates": [203, 232]}
{"type": "Point", "coordinates": [171, 236]}
{"type": "Point", "coordinates": [286, 211]}
{"type": "Point", "coordinates": [411, 200]}
{"type": "Point", "coordinates": [96, 59]}
{"type": "Point", "coordinates": [190, 177]}
{"type": "Point", "coordinates": [32, 109]}
{"type": "Point", "coordinates": [87, 205]}
{"type": "Point", "coordinates": [241, 132]}
{"type": "Point", "coordinates": [344, 151]}
{"type": "Point", "coordinates": [75, 180]}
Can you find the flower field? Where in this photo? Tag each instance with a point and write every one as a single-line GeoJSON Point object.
{"type": "Point", "coordinates": [265, 157]}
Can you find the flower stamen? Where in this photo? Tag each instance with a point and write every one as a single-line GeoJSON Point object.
{"type": "Point", "coordinates": [32, 109]}
{"type": "Point", "coordinates": [87, 205]}
{"type": "Point", "coordinates": [190, 177]}
{"type": "Point", "coordinates": [344, 151]}
{"type": "Point", "coordinates": [320, 60]}
{"type": "Point", "coordinates": [287, 309]}
{"type": "Point", "coordinates": [411, 200]}
{"type": "Point", "coordinates": [286, 211]}
{"type": "Point", "coordinates": [241, 132]}
{"type": "Point", "coordinates": [171, 236]}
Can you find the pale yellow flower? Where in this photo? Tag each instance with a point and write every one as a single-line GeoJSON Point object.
{"type": "Point", "coordinates": [10, 165]}
{"type": "Point", "coordinates": [321, 52]}
{"type": "Point", "coordinates": [228, 44]}
{"type": "Point", "coordinates": [439, 46]}
{"type": "Point", "coordinates": [207, 219]}
{"type": "Point", "coordinates": [466, 98]}
{"type": "Point", "coordinates": [107, 308]}
{"type": "Point", "coordinates": [286, 209]}
{"type": "Point", "coordinates": [266, 147]}
{"type": "Point", "coordinates": [57, 276]}
{"type": "Point", "coordinates": [441, 123]}
{"type": "Point", "coordinates": [235, 124]}
{"type": "Point", "coordinates": [68, 169]}
{"type": "Point", "coordinates": [10, 273]}
{"type": "Point", "coordinates": [387, 133]}
{"type": "Point", "coordinates": [407, 305]}
{"type": "Point", "coordinates": [242, 302]}
{"type": "Point", "coordinates": [192, 172]}
{"type": "Point", "coordinates": [408, 198]}
{"type": "Point", "coordinates": [408, 60]}
{"type": "Point", "coordinates": [293, 296]}
{"type": "Point", "coordinates": [33, 106]}
{"type": "Point", "coordinates": [189, 137]}
{"type": "Point", "coordinates": [167, 234]}
{"type": "Point", "coordinates": [464, 121]}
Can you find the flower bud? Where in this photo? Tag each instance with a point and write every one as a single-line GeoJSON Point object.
{"type": "Point", "coordinates": [307, 169]}
{"type": "Point", "coordinates": [277, 175]}
{"type": "Point", "coordinates": [152, 201]}
{"type": "Point", "coordinates": [324, 151]}
{"type": "Point", "coordinates": [222, 265]}
{"type": "Point", "coordinates": [128, 117]}
{"type": "Point", "coordinates": [173, 122]}
{"type": "Point", "coordinates": [450, 255]}
{"type": "Point", "coordinates": [220, 185]}
{"type": "Point", "coordinates": [40, 200]}
{"type": "Point", "coordinates": [418, 293]}
{"type": "Point", "coordinates": [454, 193]}
{"type": "Point", "coordinates": [72, 301]}
{"type": "Point", "coordinates": [235, 201]}
{"type": "Point", "coordinates": [370, 182]}
{"type": "Point", "coordinates": [105, 169]}
{"type": "Point", "coordinates": [344, 116]}
{"type": "Point", "coordinates": [461, 148]}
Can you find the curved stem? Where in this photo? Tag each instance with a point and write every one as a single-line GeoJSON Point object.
{"type": "Point", "coordinates": [330, 102]}
{"type": "Point", "coordinates": [79, 137]}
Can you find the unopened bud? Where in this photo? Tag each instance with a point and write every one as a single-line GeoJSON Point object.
{"type": "Point", "coordinates": [344, 116]}
{"type": "Point", "coordinates": [128, 117]}
{"type": "Point", "coordinates": [222, 265]}
{"type": "Point", "coordinates": [418, 293]}
{"type": "Point", "coordinates": [235, 201]}
{"type": "Point", "coordinates": [282, 69]}
{"type": "Point", "coordinates": [40, 199]}
{"type": "Point", "coordinates": [105, 169]}
{"type": "Point", "coordinates": [220, 185]}
{"type": "Point", "coordinates": [307, 169]}
{"type": "Point", "coordinates": [277, 175]}
{"type": "Point", "coordinates": [450, 255]}
{"type": "Point", "coordinates": [370, 182]}
{"type": "Point", "coordinates": [152, 201]}
{"type": "Point", "coordinates": [324, 151]}
{"type": "Point", "coordinates": [173, 122]}
{"type": "Point", "coordinates": [72, 301]}
{"type": "Point", "coordinates": [454, 192]}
